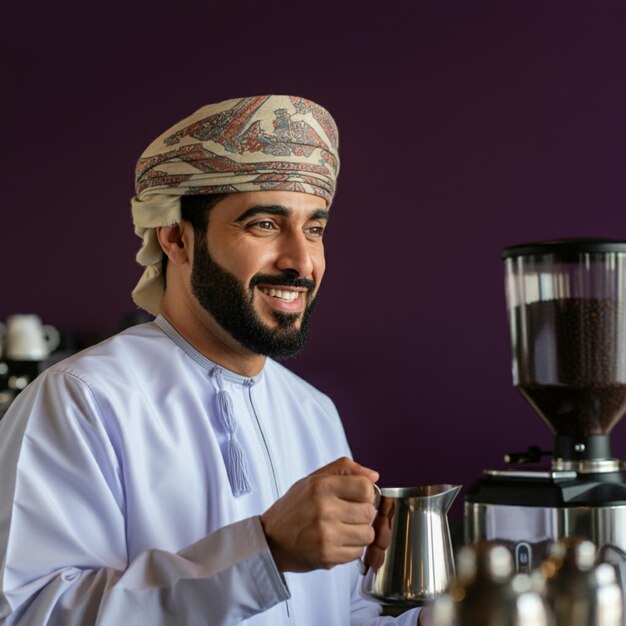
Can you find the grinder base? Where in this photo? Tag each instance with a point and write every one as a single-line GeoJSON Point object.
{"type": "Point", "coordinates": [529, 510]}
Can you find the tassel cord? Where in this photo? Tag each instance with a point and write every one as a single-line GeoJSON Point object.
{"type": "Point", "coordinates": [236, 461]}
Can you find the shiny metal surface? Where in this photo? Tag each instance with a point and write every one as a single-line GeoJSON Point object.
{"type": "Point", "coordinates": [580, 592]}
{"type": "Point", "coordinates": [601, 525]}
{"type": "Point", "coordinates": [487, 593]}
{"type": "Point", "coordinates": [587, 466]}
{"type": "Point", "coordinates": [550, 474]}
{"type": "Point", "coordinates": [411, 561]}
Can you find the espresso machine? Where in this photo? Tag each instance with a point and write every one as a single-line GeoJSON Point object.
{"type": "Point", "coordinates": [566, 303]}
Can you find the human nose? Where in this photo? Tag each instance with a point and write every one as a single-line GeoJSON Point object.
{"type": "Point", "coordinates": [296, 255]}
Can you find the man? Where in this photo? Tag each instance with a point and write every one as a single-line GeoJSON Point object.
{"type": "Point", "coordinates": [176, 473]}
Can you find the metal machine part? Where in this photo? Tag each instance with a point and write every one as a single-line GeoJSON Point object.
{"type": "Point", "coordinates": [566, 304]}
{"type": "Point", "coordinates": [601, 525]}
{"type": "Point", "coordinates": [528, 510]}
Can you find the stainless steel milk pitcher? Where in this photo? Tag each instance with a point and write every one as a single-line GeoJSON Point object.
{"type": "Point", "coordinates": [411, 561]}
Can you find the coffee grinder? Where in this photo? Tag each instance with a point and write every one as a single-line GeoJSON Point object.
{"type": "Point", "coordinates": [566, 303]}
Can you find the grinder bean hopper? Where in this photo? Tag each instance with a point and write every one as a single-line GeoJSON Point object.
{"type": "Point", "coordinates": [566, 304]}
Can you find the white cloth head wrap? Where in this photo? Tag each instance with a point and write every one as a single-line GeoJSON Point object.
{"type": "Point", "coordinates": [247, 144]}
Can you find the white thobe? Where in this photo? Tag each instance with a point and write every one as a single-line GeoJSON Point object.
{"type": "Point", "coordinates": [115, 501]}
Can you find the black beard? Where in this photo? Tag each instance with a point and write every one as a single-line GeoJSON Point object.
{"type": "Point", "coordinates": [223, 296]}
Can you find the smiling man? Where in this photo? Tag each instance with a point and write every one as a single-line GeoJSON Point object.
{"type": "Point", "coordinates": [256, 270]}
{"type": "Point", "coordinates": [177, 474]}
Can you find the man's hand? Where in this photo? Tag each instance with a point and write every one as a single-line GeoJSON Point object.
{"type": "Point", "coordinates": [375, 554]}
{"type": "Point", "coordinates": [324, 519]}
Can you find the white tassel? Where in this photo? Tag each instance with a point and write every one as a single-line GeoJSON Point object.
{"type": "Point", "coordinates": [238, 470]}
{"type": "Point", "coordinates": [237, 466]}
{"type": "Point", "coordinates": [227, 413]}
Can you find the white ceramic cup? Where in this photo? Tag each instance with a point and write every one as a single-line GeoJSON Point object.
{"type": "Point", "coordinates": [27, 339]}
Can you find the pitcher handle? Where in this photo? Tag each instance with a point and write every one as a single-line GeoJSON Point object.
{"type": "Point", "coordinates": [377, 496]}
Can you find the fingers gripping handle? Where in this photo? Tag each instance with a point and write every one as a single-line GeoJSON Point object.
{"type": "Point", "coordinates": [377, 496]}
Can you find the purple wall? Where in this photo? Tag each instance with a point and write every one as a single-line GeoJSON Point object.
{"type": "Point", "coordinates": [465, 127]}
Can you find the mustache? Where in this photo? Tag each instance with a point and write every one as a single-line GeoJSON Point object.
{"type": "Point", "coordinates": [284, 280]}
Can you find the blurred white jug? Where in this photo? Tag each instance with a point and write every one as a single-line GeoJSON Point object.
{"type": "Point", "coordinates": [27, 339]}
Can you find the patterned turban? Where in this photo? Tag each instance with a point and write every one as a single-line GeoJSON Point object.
{"type": "Point", "coordinates": [248, 144]}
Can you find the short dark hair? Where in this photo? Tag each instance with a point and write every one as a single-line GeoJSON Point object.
{"type": "Point", "coordinates": [195, 210]}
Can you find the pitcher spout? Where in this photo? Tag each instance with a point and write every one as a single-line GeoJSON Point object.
{"type": "Point", "coordinates": [448, 496]}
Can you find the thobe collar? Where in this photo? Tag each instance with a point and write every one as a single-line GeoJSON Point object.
{"type": "Point", "coordinates": [199, 358]}
{"type": "Point", "coordinates": [235, 458]}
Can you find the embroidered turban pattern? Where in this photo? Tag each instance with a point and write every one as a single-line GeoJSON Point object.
{"type": "Point", "coordinates": [261, 143]}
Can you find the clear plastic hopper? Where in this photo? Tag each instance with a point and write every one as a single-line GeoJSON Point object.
{"type": "Point", "coordinates": [566, 303]}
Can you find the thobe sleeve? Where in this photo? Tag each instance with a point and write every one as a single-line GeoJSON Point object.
{"type": "Point", "coordinates": [63, 524]}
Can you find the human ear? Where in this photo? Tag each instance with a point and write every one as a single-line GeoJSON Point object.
{"type": "Point", "coordinates": [174, 242]}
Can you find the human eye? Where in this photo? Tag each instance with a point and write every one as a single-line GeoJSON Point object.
{"type": "Point", "coordinates": [315, 231]}
{"type": "Point", "coordinates": [264, 225]}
